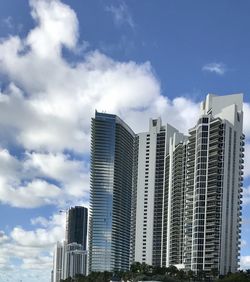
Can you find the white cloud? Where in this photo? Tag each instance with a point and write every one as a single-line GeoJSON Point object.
{"type": "Point", "coordinates": [246, 123]}
{"type": "Point", "coordinates": [41, 262]}
{"type": "Point", "coordinates": [217, 68]}
{"type": "Point", "coordinates": [34, 248]}
{"type": "Point", "coordinates": [72, 174]}
{"type": "Point", "coordinates": [34, 194]}
{"type": "Point", "coordinates": [19, 189]}
{"type": "Point", "coordinates": [40, 221]}
{"type": "Point", "coordinates": [52, 103]}
{"type": "Point", "coordinates": [57, 26]}
{"type": "Point", "coordinates": [22, 181]}
{"type": "Point", "coordinates": [121, 14]}
{"type": "Point", "coordinates": [52, 231]}
{"type": "Point", "coordinates": [245, 262]}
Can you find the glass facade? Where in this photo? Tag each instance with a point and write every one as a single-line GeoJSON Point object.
{"type": "Point", "coordinates": [76, 226]}
{"type": "Point", "coordinates": [111, 191]}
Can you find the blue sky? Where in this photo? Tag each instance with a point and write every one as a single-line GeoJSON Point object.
{"type": "Point", "coordinates": [59, 61]}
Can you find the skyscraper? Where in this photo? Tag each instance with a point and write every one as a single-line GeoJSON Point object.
{"type": "Point", "coordinates": [76, 226]}
{"type": "Point", "coordinates": [214, 186]}
{"type": "Point", "coordinates": [70, 256]}
{"type": "Point", "coordinates": [58, 261]}
{"type": "Point", "coordinates": [188, 190]}
{"type": "Point", "coordinates": [183, 192]}
{"type": "Point", "coordinates": [112, 143]}
{"type": "Point", "coordinates": [69, 260]}
{"type": "Point", "coordinates": [150, 148]}
{"type": "Point", "coordinates": [174, 201]}
{"type": "Point", "coordinates": [75, 260]}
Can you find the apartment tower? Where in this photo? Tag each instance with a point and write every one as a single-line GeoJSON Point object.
{"type": "Point", "coordinates": [58, 262]}
{"type": "Point", "coordinates": [213, 192]}
{"type": "Point", "coordinates": [150, 150]}
{"type": "Point", "coordinates": [112, 145]}
{"type": "Point", "coordinates": [75, 260]}
{"type": "Point", "coordinates": [174, 202]}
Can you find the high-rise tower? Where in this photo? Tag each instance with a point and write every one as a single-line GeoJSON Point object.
{"type": "Point", "coordinates": [58, 262]}
{"type": "Point", "coordinates": [112, 143]}
{"type": "Point", "coordinates": [174, 201]}
{"type": "Point", "coordinates": [76, 226]}
{"type": "Point", "coordinates": [70, 256]}
{"type": "Point", "coordinates": [214, 186]}
{"type": "Point", "coordinates": [150, 149]}
{"type": "Point", "coordinates": [183, 193]}
{"type": "Point", "coordinates": [75, 260]}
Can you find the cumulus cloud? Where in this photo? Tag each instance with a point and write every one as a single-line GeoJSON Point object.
{"type": "Point", "coordinates": [57, 26]}
{"type": "Point", "coordinates": [53, 230]}
{"type": "Point", "coordinates": [72, 174]}
{"type": "Point", "coordinates": [245, 262]}
{"type": "Point", "coordinates": [36, 193]}
{"type": "Point", "coordinates": [52, 104]}
{"type": "Point", "coordinates": [217, 68]}
{"type": "Point", "coordinates": [27, 183]}
{"type": "Point", "coordinates": [33, 247]}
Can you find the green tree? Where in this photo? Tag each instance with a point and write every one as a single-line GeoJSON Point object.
{"type": "Point", "coordinates": [172, 270]}
{"type": "Point", "coordinates": [190, 275]}
{"type": "Point", "coordinates": [214, 272]}
{"type": "Point", "coordinates": [159, 270]}
{"type": "Point", "coordinates": [235, 277]}
{"type": "Point", "coordinates": [145, 268]}
{"type": "Point", "coordinates": [181, 274]}
{"type": "Point", "coordinates": [136, 267]}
